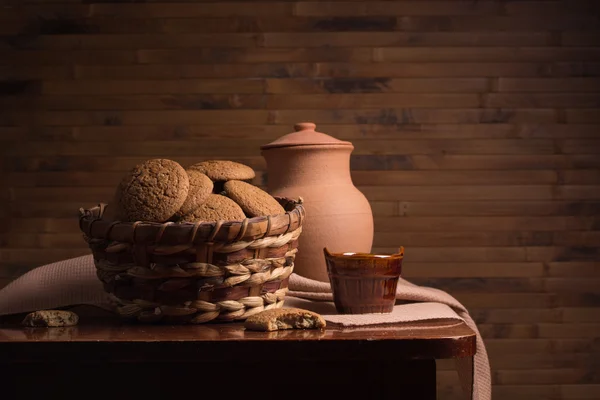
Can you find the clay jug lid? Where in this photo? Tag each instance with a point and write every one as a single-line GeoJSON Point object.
{"type": "Point", "coordinates": [305, 135]}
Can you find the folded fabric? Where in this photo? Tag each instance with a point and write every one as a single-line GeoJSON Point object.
{"type": "Point", "coordinates": [429, 303]}
{"type": "Point", "coordinates": [401, 313]}
{"type": "Point", "coordinates": [60, 284]}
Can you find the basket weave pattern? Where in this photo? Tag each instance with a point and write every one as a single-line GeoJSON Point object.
{"type": "Point", "coordinates": [194, 272]}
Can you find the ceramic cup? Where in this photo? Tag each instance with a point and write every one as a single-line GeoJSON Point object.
{"type": "Point", "coordinates": [364, 283]}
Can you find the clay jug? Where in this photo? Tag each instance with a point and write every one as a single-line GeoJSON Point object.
{"type": "Point", "coordinates": [316, 167]}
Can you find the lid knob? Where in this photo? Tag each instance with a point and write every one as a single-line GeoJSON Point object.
{"type": "Point", "coordinates": [304, 126]}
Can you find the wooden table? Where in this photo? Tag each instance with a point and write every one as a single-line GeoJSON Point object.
{"type": "Point", "coordinates": [116, 361]}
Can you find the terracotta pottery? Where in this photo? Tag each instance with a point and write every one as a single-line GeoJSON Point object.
{"type": "Point", "coordinates": [316, 167]}
{"type": "Point", "coordinates": [364, 283]}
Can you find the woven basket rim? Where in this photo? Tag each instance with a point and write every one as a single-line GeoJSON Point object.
{"type": "Point", "coordinates": [93, 226]}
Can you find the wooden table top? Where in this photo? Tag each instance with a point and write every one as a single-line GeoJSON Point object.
{"type": "Point", "coordinates": [99, 337]}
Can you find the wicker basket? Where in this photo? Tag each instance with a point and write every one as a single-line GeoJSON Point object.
{"type": "Point", "coordinates": [194, 272]}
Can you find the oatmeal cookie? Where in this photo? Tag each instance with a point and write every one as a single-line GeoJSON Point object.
{"type": "Point", "coordinates": [200, 187]}
{"type": "Point", "coordinates": [151, 191]}
{"type": "Point", "coordinates": [284, 318]}
{"type": "Point", "coordinates": [51, 318]}
{"type": "Point", "coordinates": [254, 201]}
{"type": "Point", "coordinates": [215, 208]}
{"type": "Point", "coordinates": [224, 170]}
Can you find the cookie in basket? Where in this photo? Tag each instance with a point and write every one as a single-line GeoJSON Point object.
{"type": "Point", "coordinates": [253, 200]}
{"type": "Point", "coordinates": [200, 188]}
{"type": "Point", "coordinates": [224, 170]}
{"type": "Point", "coordinates": [215, 208]}
{"type": "Point", "coordinates": [152, 191]}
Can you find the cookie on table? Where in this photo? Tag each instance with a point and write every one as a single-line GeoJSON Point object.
{"type": "Point", "coordinates": [51, 318]}
{"type": "Point", "coordinates": [152, 191]}
{"type": "Point", "coordinates": [200, 188]}
{"type": "Point", "coordinates": [276, 319]}
{"type": "Point", "coordinates": [224, 170]}
{"type": "Point", "coordinates": [215, 208]}
{"type": "Point", "coordinates": [254, 201]}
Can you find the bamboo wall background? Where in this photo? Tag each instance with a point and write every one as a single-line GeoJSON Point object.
{"type": "Point", "coordinates": [475, 125]}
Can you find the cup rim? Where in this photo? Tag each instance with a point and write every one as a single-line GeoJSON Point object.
{"type": "Point", "coordinates": [358, 255]}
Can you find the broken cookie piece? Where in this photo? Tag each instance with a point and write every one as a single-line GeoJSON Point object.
{"type": "Point", "coordinates": [284, 318]}
{"type": "Point", "coordinates": [51, 318]}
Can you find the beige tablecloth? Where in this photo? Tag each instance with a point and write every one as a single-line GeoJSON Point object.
{"type": "Point", "coordinates": [74, 282]}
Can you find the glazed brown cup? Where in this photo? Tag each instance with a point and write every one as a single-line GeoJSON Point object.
{"type": "Point", "coordinates": [364, 283]}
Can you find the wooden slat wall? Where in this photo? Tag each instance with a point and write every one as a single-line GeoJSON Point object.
{"type": "Point", "coordinates": [476, 126]}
